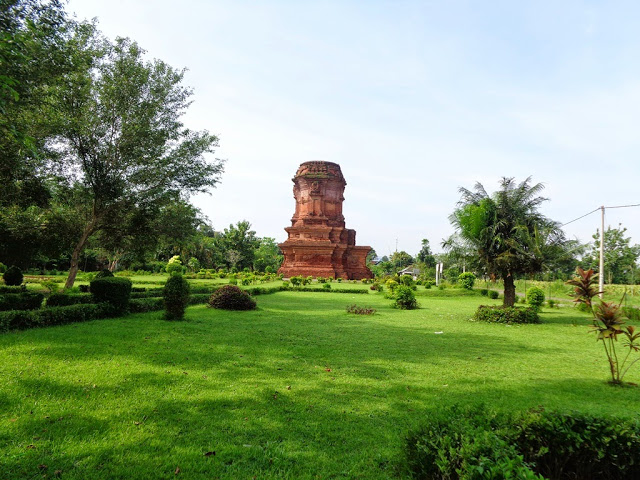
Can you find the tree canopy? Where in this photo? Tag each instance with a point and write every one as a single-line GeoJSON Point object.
{"type": "Point", "coordinates": [507, 233]}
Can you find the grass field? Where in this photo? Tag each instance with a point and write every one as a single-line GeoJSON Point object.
{"type": "Point", "coordinates": [296, 389]}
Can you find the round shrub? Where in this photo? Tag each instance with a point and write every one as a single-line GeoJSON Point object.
{"type": "Point", "coordinates": [326, 286]}
{"type": "Point", "coordinates": [13, 276]}
{"type": "Point", "coordinates": [104, 273]}
{"type": "Point", "coordinates": [406, 280]}
{"type": "Point", "coordinates": [231, 297]}
{"type": "Point", "coordinates": [466, 280]}
{"type": "Point", "coordinates": [405, 298]}
{"type": "Point", "coordinates": [492, 294]}
{"type": "Point", "coordinates": [176, 297]}
{"type": "Point", "coordinates": [535, 297]}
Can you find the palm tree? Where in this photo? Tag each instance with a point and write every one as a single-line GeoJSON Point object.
{"type": "Point", "coordinates": [505, 230]}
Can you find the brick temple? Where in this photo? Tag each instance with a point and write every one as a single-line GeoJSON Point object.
{"type": "Point", "coordinates": [318, 243]}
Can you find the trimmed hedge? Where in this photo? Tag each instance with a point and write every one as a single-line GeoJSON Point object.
{"type": "Point", "coordinates": [325, 290]}
{"type": "Point", "coordinates": [13, 276]}
{"type": "Point", "coordinates": [506, 315]}
{"type": "Point", "coordinates": [114, 290]}
{"type": "Point", "coordinates": [23, 319]}
{"type": "Point", "coordinates": [21, 301]}
{"type": "Point", "coordinates": [144, 305]}
{"type": "Point", "coordinates": [65, 299]}
{"type": "Point", "coordinates": [12, 289]}
{"type": "Point", "coordinates": [475, 442]}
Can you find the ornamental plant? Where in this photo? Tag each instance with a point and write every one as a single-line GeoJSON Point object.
{"type": "Point", "coordinates": [231, 297]}
{"type": "Point", "coordinates": [535, 297]}
{"type": "Point", "coordinates": [13, 276]}
{"type": "Point", "coordinates": [466, 280]}
{"type": "Point", "coordinates": [607, 324]}
{"type": "Point", "coordinates": [176, 297]}
{"type": "Point", "coordinates": [405, 299]}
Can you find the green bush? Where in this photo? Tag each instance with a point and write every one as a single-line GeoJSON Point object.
{"type": "Point", "coordinates": [231, 297]}
{"type": "Point", "coordinates": [115, 291]}
{"type": "Point", "coordinates": [477, 443]}
{"type": "Point", "coordinates": [535, 297]}
{"type": "Point", "coordinates": [296, 280]}
{"type": "Point", "coordinates": [3, 267]}
{"type": "Point", "coordinates": [233, 281]}
{"type": "Point", "coordinates": [507, 315]}
{"type": "Point", "coordinates": [376, 287]}
{"type": "Point", "coordinates": [174, 266]}
{"type": "Point", "coordinates": [326, 286]}
{"type": "Point", "coordinates": [104, 273]}
{"type": "Point", "coordinates": [493, 295]}
{"type": "Point", "coordinates": [484, 292]}
{"type": "Point", "coordinates": [144, 305]}
{"type": "Point", "coordinates": [407, 281]}
{"type": "Point", "coordinates": [23, 319]}
{"type": "Point", "coordinates": [12, 289]}
{"type": "Point", "coordinates": [469, 443]}
{"type": "Point", "coordinates": [176, 297]}
{"type": "Point", "coordinates": [64, 299]}
{"type": "Point", "coordinates": [466, 280]}
{"type": "Point", "coordinates": [13, 276]}
{"type": "Point", "coordinates": [404, 298]}
{"type": "Point", "coordinates": [21, 301]}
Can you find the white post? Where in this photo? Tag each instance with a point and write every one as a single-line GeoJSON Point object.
{"type": "Point", "coordinates": [601, 272]}
{"type": "Point", "coordinates": [437, 276]}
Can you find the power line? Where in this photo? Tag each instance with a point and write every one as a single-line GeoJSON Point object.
{"type": "Point", "coordinates": [593, 211]}
{"type": "Point", "coordinates": [625, 206]}
{"type": "Point", "coordinates": [576, 219]}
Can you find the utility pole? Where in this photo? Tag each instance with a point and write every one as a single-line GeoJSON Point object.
{"type": "Point", "coordinates": [601, 272]}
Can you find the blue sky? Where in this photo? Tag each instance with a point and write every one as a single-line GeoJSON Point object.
{"type": "Point", "coordinates": [412, 99]}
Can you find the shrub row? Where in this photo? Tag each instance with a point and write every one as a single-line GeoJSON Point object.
{"type": "Point", "coordinates": [65, 299]}
{"type": "Point", "coordinates": [508, 315]}
{"type": "Point", "coordinates": [12, 289]}
{"type": "Point", "coordinates": [22, 319]}
{"type": "Point", "coordinates": [474, 442]}
{"type": "Point", "coordinates": [332, 290]}
{"type": "Point", "coordinates": [114, 290]}
{"type": "Point", "coordinates": [21, 301]}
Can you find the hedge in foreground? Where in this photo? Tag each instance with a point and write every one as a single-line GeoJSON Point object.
{"type": "Point", "coordinates": [46, 317]}
{"type": "Point", "coordinates": [507, 315]}
{"type": "Point", "coordinates": [21, 301]}
{"type": "Point", "coordinates": [474, 443]}
{"type": "Point", "coordinates": [65, 299]}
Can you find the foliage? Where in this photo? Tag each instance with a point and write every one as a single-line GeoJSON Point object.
{"type": "Point", "coordinates": [620, 256]}
{"type": "Point", "coordinates": [484, 292]}
{"type": "Point", "coordinates": [400, 260]}
{"type": "Point", "coordinates": [407, 281]}
{"type": "Point", "coordinates": [13, 276]}
{"type": "Point", "coordinates": [21, 301]}
{"type": "Point", "coordinates": [508, 234]}
{"type": "Point", "coordinates": [377, 287]}
{"type": "Point", "coordinates": [104, 273]}
{"type": "Point", "coordinates": [296, 280]}
{"type": "Point", "coordinates": [113, 290]}
{"type": "Point", "coordinates": [64, 299]}
{"type": "Point", "coordinates": [356, 310]}
{"type": "Point", "coordinates": [535, 297]}
{"type": "Point", "coordinates": [405, 298]}
{"type": "Point", "coordinates": [123, 138]}
{"type": "Point", "coordinates": [632, 313]}
{"type": "Point", "coordinates": [585, 287]}
{"type": "Point", "coordinates": [46, 317]}
{"type": "Point", "coordinates": [493, 295]}
{"type": "Point", "coordinates": [267, 256]}
{"type": "Point", "coordinates": [475, 442]}
{"type": "Point", "coordinates": [174, 266]}
{"type": "Point", "coordinates": [608, 325]}
{"type": "Point", "coordinates": [231, 297]}
{"type": "Point", "coordinates": [466, 280]}
{"type": "Point", "coordinates": [506, 315]}
{"type": "Point", "coordinates": [176, 297]}
{"type": "Point", "coordinates": [326, 286]}
{"type": "Point", "coordinates": [425, 256]}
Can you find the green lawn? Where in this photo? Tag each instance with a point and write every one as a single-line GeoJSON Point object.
{"type": "Point", "coordinates": [296, 389]}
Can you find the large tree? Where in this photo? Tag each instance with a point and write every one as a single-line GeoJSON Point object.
{"type": "Point", "coordinates": [620, 256]}
{"type": "Point", "coordinates": [508, 234]}
{"type": "Point", "coordinates": [123, 140]}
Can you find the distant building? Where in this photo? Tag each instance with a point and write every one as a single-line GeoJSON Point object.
{"type": "Point", "coordinates": [410, 270]}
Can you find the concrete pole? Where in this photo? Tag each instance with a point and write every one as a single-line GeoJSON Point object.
{"type": "Point", "coordinates": [601, 272]}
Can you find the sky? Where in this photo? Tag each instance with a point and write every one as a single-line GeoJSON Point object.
{"type": "Point", "coordinates": [413, 99]}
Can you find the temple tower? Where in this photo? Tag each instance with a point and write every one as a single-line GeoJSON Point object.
{"type": "Point", "coordinates": [318, 243]}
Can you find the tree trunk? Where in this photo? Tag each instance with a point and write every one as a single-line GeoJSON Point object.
{"type": "Point", "coordinates": [75, 256]}
{"type": "Point", "coordinates": [509, 290]}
